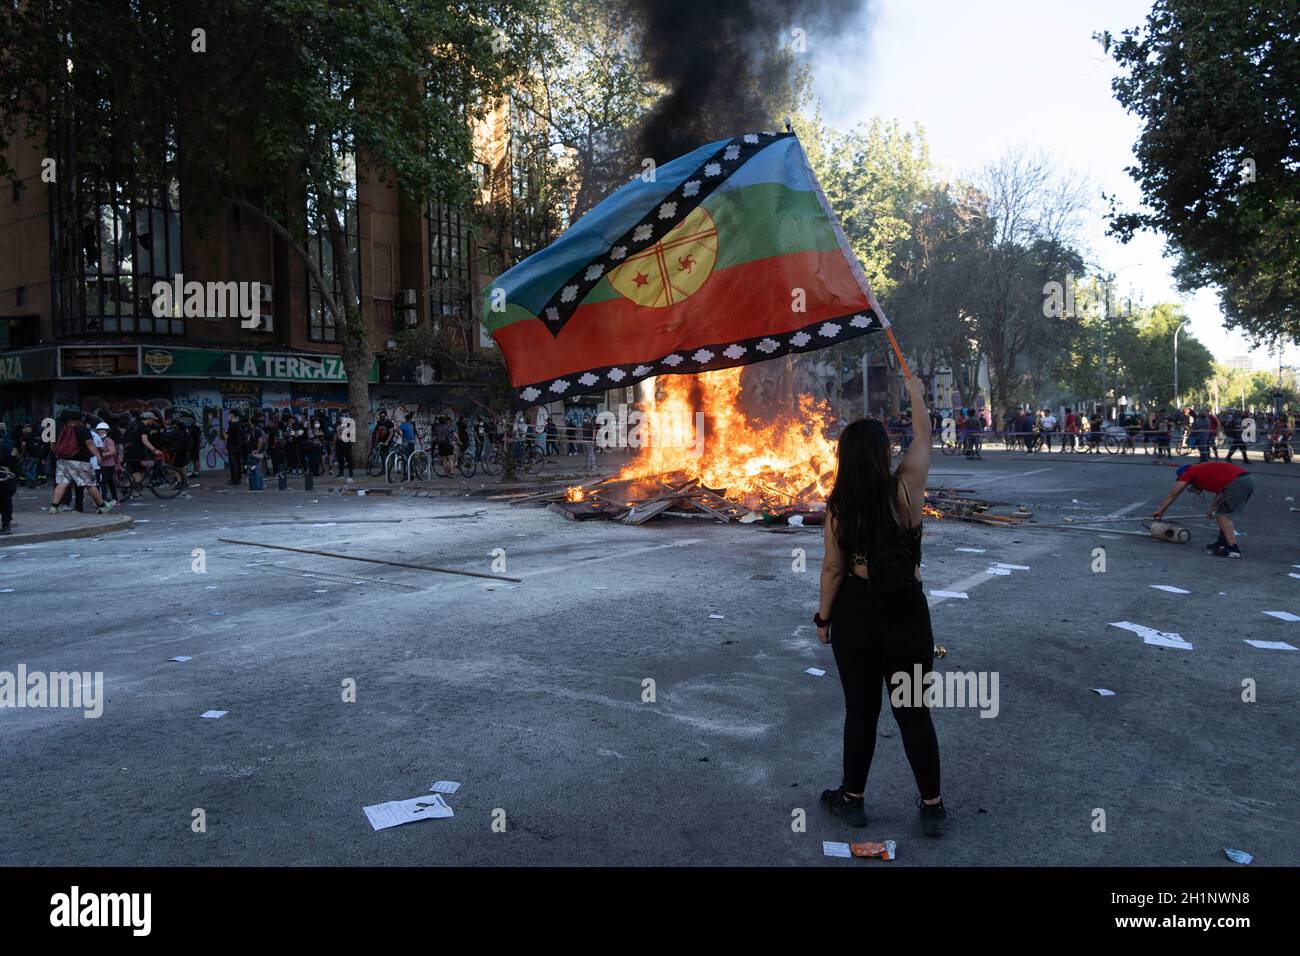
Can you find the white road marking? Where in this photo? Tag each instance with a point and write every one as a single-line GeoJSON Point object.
{"type": "Point", "coordinates": [1019, 474]}
{"type": "Point", "coordinates": [1125, 510]}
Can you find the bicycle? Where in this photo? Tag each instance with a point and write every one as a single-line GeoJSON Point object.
{"type": "Point", "coordinates": [492, 461]}
{"type": "Point", "coordinates": [397, 464]}
{"type": "Point", "coordinates": [534, 460]}
{"type": "Point", "coordinates": [376, 463]}
{"type": "Point", "coordinates": [417, 465]}
{"type": "Point", "coordinates": [164, 480]}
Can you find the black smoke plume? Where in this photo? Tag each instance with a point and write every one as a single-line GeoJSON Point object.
{"type": "Point", "coordinates": [725, 63]}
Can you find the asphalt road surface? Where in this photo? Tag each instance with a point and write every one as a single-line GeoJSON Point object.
{"type": "Point", "coordinates": [531, 696]}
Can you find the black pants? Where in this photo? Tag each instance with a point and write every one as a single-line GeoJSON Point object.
{"type": "Point", "coordinates": [236, 466]}
{"type": "Point", "coordinates": [871, 643]}
{"type": "Point", "coordinates": [343, 455]}
{"type": "Point", "coordinates": [1237, 445]}
{"type": "Point", "coordinates": [7, 489]}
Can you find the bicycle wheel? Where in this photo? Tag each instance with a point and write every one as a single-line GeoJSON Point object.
{"type": "Point", "coordinates": [166, 482]}
{"type": "Point", "coordinates": [394, 468]}
{"type": "Point", "coordinates": [534, 462]}
{"type": "Point", "coordinates": [417, 466]}
{"type": "Point", "coordinates": [1112, 445]}
{"type": "Point", "coordinates": [467, 465]}
{"type": "Point", "coordinates": [375, 465]}
{"type": "Point", "coordinates": [491, 463]}
{"type": "Point", "coordinates": [951, 447]}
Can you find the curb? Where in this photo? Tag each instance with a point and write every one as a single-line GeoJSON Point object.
{"type": "Point", "coordinates": [116, 523]}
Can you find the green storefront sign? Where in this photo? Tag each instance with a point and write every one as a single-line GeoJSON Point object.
{"type": "Point", "coordinates": [29, 365]}
{"type": "Point", "coordinates": [252, 366]}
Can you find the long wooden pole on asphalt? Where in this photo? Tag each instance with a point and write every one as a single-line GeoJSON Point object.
{"type": "Point", "coordinates": [393, 564]}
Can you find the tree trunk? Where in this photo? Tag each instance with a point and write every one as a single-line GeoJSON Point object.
{"type": "Point", "coordinates": [358, 357]}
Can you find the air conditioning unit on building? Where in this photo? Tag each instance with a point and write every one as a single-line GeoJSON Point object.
{"type": "Point", "coordinates": [406, 297]}
{"type": "Point", "coordinates": [408, 318]}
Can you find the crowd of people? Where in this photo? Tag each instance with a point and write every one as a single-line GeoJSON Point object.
{"type": "Point", "coordinates": [1159, 432]}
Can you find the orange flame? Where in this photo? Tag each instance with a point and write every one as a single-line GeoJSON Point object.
{"type": "Point", "coordinates": [575, 494]}
{"type": "Point", "coordinates": [787, 461]}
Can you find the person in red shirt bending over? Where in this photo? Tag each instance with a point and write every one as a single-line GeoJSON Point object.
{"type": "Point", "coordinates": [1232, 488]}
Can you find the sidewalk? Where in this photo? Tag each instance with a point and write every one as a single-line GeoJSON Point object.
{"type": "Point", "coordinates": [31, 525]}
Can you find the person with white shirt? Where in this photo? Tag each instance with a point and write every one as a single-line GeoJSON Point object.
{"type": "Point", "coordinates": [1049, 426]}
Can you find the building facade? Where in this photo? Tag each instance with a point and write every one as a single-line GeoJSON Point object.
{"type": "Point", "coordinates": [109, 303]}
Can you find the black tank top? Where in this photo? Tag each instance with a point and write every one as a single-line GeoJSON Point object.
{"type": "Point", "coordinates": [908, 538]}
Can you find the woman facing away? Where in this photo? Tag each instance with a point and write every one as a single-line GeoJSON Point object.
{"type": "Point", "coordinates": [873, 610]}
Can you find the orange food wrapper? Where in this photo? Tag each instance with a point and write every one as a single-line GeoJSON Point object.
{"type": "Point", "coordinates": [884, 850]}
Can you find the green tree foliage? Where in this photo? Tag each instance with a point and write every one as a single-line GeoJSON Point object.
{"type": "Point", "coordinates": [1215, 84]}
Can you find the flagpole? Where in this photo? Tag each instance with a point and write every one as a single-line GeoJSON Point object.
{"type": "Point", "coordinates": [889, 331]}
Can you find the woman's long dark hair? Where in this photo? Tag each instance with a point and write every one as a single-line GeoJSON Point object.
{"type": "Point", "coordinates": [864, 501]}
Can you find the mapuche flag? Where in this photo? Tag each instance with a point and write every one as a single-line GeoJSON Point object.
{"type": "Point", "coordinates": [730, 255]}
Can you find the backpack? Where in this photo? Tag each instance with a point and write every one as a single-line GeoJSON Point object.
{"type": "Point", "coordinates": [66, 446]}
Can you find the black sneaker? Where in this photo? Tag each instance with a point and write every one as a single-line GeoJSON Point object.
{"type": "Point", "coordinates": [1230, 551]}
{"type": "Point", "coordinates": [933, 817]}
{"type": "Point", "coordinates": [1214, 546]}
{"type": "Point", "coordinates": [849, 809]}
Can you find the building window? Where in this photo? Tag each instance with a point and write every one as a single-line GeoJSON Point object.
{"type": "Point", "coordinates": [321, 325]}
{"type": "Point", "coordinates": [451, 253]}
{"type": "Point", "coordinates": [109, 249]}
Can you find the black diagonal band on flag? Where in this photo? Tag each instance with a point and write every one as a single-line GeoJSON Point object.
{"type": "Point", "coordinates": [667, 213]}
{"type": "Point", "coordinates": [705, 358]}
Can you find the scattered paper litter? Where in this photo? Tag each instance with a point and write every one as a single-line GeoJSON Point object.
{"type": "Point", "coordinates": [1272, 645]}
{"type": "Point", "coordinates": [816, 672]}
{"type": "Point", "coordinates": [1012, 567]}
{"type": "Point", "coordinates": [214, 714]}
{"type": "Point", "coordinates": [445, 786]}
{"type": "Point", "coordinates": [1238, 856]}
{"type": "Point", "coordinates": [321, 591]}
{"type": "Point", "coordinates": [717, 617]}
{"type": "Point", "coordinates": [181, 659]}
{"type": "Point", "coordinates": [796, 521]}
{"type": "Point", "coordinates": [211, 587]}
{"type": "Point", "coordinates": [1170, 588]}
{"type": "Point", "coordinates": [1291, 574]}
{"type": "Point", "coordinates": [1002, 571]}
{"type": "Point", "coordinates": [1151, 636]}
{"type": "Point", "coordinates": [217, 613]}
{"type": "Point", "coordinates": [1283, 615]}
{"type": "Point", "coordinates": [1104, 692]}
{"type": "Point", "coordinates": [971, 550]}
{"type": "Point", "coordinates": [396, 812]}
{"type": "Point", "coordinates": [830, 848]}
{"type": "Point", "coordinates": [951, 594]}
{"type": "Point", "coordinates": [6, 590]}
{"type": "Point", "coordinates": [326, 524]}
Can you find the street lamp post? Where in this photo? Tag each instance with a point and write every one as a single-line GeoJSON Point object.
{"type": "Point", "coordinates": [1177, 396]}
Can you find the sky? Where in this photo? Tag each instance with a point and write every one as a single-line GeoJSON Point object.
{"type": "Point", "coordinates": [984, 76]}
